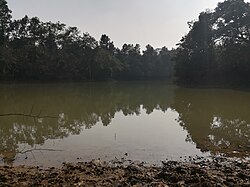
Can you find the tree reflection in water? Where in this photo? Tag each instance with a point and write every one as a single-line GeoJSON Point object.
{"type": "Point", "coordinates": [77, 106]}
{"type": "Point", "coordinates": [216, 120]}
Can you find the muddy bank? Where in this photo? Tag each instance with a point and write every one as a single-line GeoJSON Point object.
{"type": "Point", "coordinates": [216, 171]}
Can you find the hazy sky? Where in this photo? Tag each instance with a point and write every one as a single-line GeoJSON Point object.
{"type": "Point", "coordinates": [156, 22]}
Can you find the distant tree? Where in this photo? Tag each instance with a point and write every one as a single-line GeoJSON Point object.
{"type": "Point", "coordinates": [149, 60]}
{"type": "Point", "coordinates": [107, 44]}
{"type": "Point", "coordinates": [165, 64]}
{"type": "Point", "coordinates": [130, 57]}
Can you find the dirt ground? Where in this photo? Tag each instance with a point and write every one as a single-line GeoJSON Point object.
{"type": "Point", "coordinates": [215, 171]}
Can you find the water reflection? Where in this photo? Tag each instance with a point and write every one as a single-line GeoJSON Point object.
{"type": "Point", "coordinates": [77, 106]}
{"type": "Point", "coordinates": [216, 120]}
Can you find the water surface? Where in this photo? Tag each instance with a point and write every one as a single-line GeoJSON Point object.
{"type": "Point", "coordinates": [47, 124]}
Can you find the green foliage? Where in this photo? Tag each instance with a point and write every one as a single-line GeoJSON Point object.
{"type": "Point", "coordinates": [5, 18]}
{"type": "Point", "coordinates": [152, 64]}
{"type": "Point", "coordinates": [217, 47]}
{"type": "Point", "coordinates": [34, 50]}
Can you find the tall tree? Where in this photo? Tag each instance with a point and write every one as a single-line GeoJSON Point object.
{"type": "Point", "coordinates": [195, 50]}
{"type": "Point", "coordinates": [5, 53]}
{"type": "Point", "coordinates": [5, 19]}
{"type": "Point", "coordinates": [216, 49]}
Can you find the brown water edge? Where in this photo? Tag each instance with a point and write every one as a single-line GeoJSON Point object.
{"type": "Point", "coordinates": [196, 171]}
{"type": "Point", "coordinates": [31, 161]}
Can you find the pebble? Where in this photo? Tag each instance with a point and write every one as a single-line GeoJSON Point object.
{"type": "Point", "coordinates": [219, 171]}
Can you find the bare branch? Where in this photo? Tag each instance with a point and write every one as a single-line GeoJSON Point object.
{"type": "Point", "coordinates": [31, 150]}
{"type": "Point", "coordinates": [26, 115]}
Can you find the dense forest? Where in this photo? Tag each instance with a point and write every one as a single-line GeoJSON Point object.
{"type": "Point", "coordinates": [34, 50]}
{"type": "Point", "coordinates": [216, 50]}
{"type": "Point", "coordinates": [217, 47]}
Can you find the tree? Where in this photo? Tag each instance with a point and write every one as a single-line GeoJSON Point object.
{"type": "Point", "coordinates": [5, 53]}
{"type": "Point", "coordinates": [165, 64]}
{"type": "Point", "coordinates": [5, 20]}
{"type": "Point", "coordinates": [232, 37]}
{"type": "Point", "coordinates": [194, 54]}
{"type": "Point", "coordinates": [130, 56]}
{"type": "Point", "coordinates": [107, 44]}
{"type": "Point", "coordinates": [216, 47]}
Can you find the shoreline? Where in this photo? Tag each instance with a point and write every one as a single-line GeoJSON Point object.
{"type": "Point", "coordinates": [215, 171]}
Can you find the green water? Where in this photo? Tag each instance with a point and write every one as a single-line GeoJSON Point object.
{"type": "Point", "coordinates": [47, 124]}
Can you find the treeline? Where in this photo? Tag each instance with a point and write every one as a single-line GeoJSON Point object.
{"type": "Point", "coordinates": [34, 50]}
{"type": "Point", "coordinates": [217, 48]}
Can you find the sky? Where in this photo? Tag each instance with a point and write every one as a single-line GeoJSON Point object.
{"type": "Point", "coordinates": [155, 22]}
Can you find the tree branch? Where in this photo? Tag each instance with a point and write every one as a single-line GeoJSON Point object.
{"type": "Point", "coordinates": [30, 150]}
{"type": "Point", "coordinates": [26, 115]}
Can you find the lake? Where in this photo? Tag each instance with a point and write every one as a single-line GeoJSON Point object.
{"type": "Point", "coordinates": [47, 124]}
